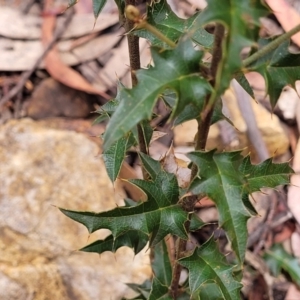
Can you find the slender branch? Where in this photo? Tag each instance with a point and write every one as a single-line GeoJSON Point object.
{"type": "Point", "coordinates": [133, 46]}
{"type": "Point", "coordinates": [270, 47]}
{"type": "Point", "coordinates": [217, 51]}
{"type": "Point", "coordinates": [215, 73]}
{"type": "Point", "coordinates": [135, 64]}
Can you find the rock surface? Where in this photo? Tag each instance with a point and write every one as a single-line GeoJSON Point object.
{"type": "Point", "coordinates": [42, 168]}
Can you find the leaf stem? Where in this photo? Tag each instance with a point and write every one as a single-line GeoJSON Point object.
{"type": "Point", "coordinates": [270, 47]}
{"type": "Point", "coordinates": [157, 33]}
{"type": "Point", "coordinates": [133, 14]}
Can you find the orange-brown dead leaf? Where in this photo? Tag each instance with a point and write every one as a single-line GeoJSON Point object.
{"type": "Point", "coordinates": [57, 69]}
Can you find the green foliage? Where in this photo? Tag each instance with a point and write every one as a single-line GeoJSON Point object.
{"type": "Point", "coordinates": [177, 69]}
{"type": "Point", "coordinates": [184, 79]}
{"type": "Point", "coordinates": [98, 6]}
{"type": "Point", "coordinates": [226, 178]}
{"type": "Point", "coordinates": [152, 217]}
{"type": "Point", "coordinates": [114, 156]}
{"type": "Point", "coordinates": [136, 240]}
{"type": "Point", "coordinates": [241, 18]}
{"type": "Point", "coordinates": [165, 20]}
{"type": "Point", "coordinates": [278, 259]}
{"type": "Point", "coordinates": [279, 68]}
{"type": "Point", "coordinates": [207, 264]}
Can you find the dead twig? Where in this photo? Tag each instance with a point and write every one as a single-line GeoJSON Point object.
{"type": "Point", "coordinates": [253, 132]}
{"type": "Point", "coordinates": [269, 219]}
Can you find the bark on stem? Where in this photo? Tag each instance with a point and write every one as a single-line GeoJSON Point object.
{"type": "Point", "coordinates": [135, 64]}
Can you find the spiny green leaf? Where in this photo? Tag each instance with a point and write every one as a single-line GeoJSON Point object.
{"type": "Point", "coordinates": [241, 18]}
{"type": "Point", "coordinates": [210, 291]}
{"type": "Point", "coordinates": [196, 223]}
{"type": "Point", "coordinates": [143, 289]}
{"type": "Point", "coordinates": [98, 6]}
{"type": "Point", "coordinates": [147, 131]}
{"type": "Point", "coordinates": [228, 179]}
{"type": "Point", "coordinates": [265, 174]}
{"type": "Point", "coordinates": [277, 258]}
{"type": "Point", "coordinates": [159, 291]}
{"type": "Point", "coordinates": [100, 119]}
{"type": "Point", "coordinates": [132, 239]}
{"type": "Point", "coordinates": [72, 3]}
{"type": "Point", "coordinates": [176, 69]}
{"type": "Point", "coordinates": [221, 182]}
{"type": "Point", "coordinates": [193, 111]}
{"type": "Point", "coordinates": [161, 265]}
{"type": "Point", "coordinates": [279, 68]}
{"type": "Point", "coordinates": [161, 16]}
{"type": "Point", "coordinates": [242, 80]}
{"type": "Point", "coordinates": [158, 216]}
{"type": "Point", "coordinates": [114, 156]}
{"type": "Point", "coordinates": [151, 165]}
{"type": "Point", "coordinates": [207, 264]}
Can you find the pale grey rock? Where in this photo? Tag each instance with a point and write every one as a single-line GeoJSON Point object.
{"type": "Point", "coordinates": [41, 168]}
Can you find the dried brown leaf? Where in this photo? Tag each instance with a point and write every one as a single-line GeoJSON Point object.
{"type": "Point", "coordinates": [177, 166]}
{"type": "Point", "coordinates": [58, 70]}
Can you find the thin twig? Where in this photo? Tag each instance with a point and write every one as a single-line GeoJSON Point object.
{"type": "Point", "coordinates": [135, 64]}
{"type": "Point", "coordinates": [270, 216]}
{"type": "Point", "coordinates": [26, 75]}
{"type": "Point", "coordinates": [270, 47]}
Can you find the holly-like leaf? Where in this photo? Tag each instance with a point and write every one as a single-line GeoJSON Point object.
{"type": "Point", "coordinates": [228, 179]}
{"type": "Point", "coordinates": [159, 291]}
{"type": "Point", "coordinates": [157, 217]}
{"type": "Point", "coordinates": [210, 291]}
{"type": "Point", "coordinates": [161, 265]}
{"type": "Point", "coordinates": [207, 265]}
{"type": "Point", "coordinates": [98, 6]}
{"type": "Point", "coordinates": [279, 68]}
{"type": "Point", "coordinates": [265, 174]}
{"type": "Point", "coordinates": [151, 165]}
{"type": "Point", "coordinates": [161, 16]}
{"type": "Point", "coordinates": [114, 156]}
{"type": "Point", "coordinates": [241, 19]}
{"type": "Point", "coordinates": [242, 80]}
{"type": "Point", "coordinates": [196, 223]}
{"type": "Point", "coordinates": [132, 239]}
{"type": "Point", "coordinates": [143, 289]}
{"type": "Point", "coordinates": [72, 3]}
{"type": "Point", "coordinates": [278, 259]}
{"type": "Point", "coordinates": [176, 69]}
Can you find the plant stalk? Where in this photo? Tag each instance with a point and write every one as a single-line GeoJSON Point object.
{"type": "Point", "coordinates": [189, 202]}
{"type": "Point", "coordinates": [135, 64]}
{"type": "Point", "coordinates": [270, 47]}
